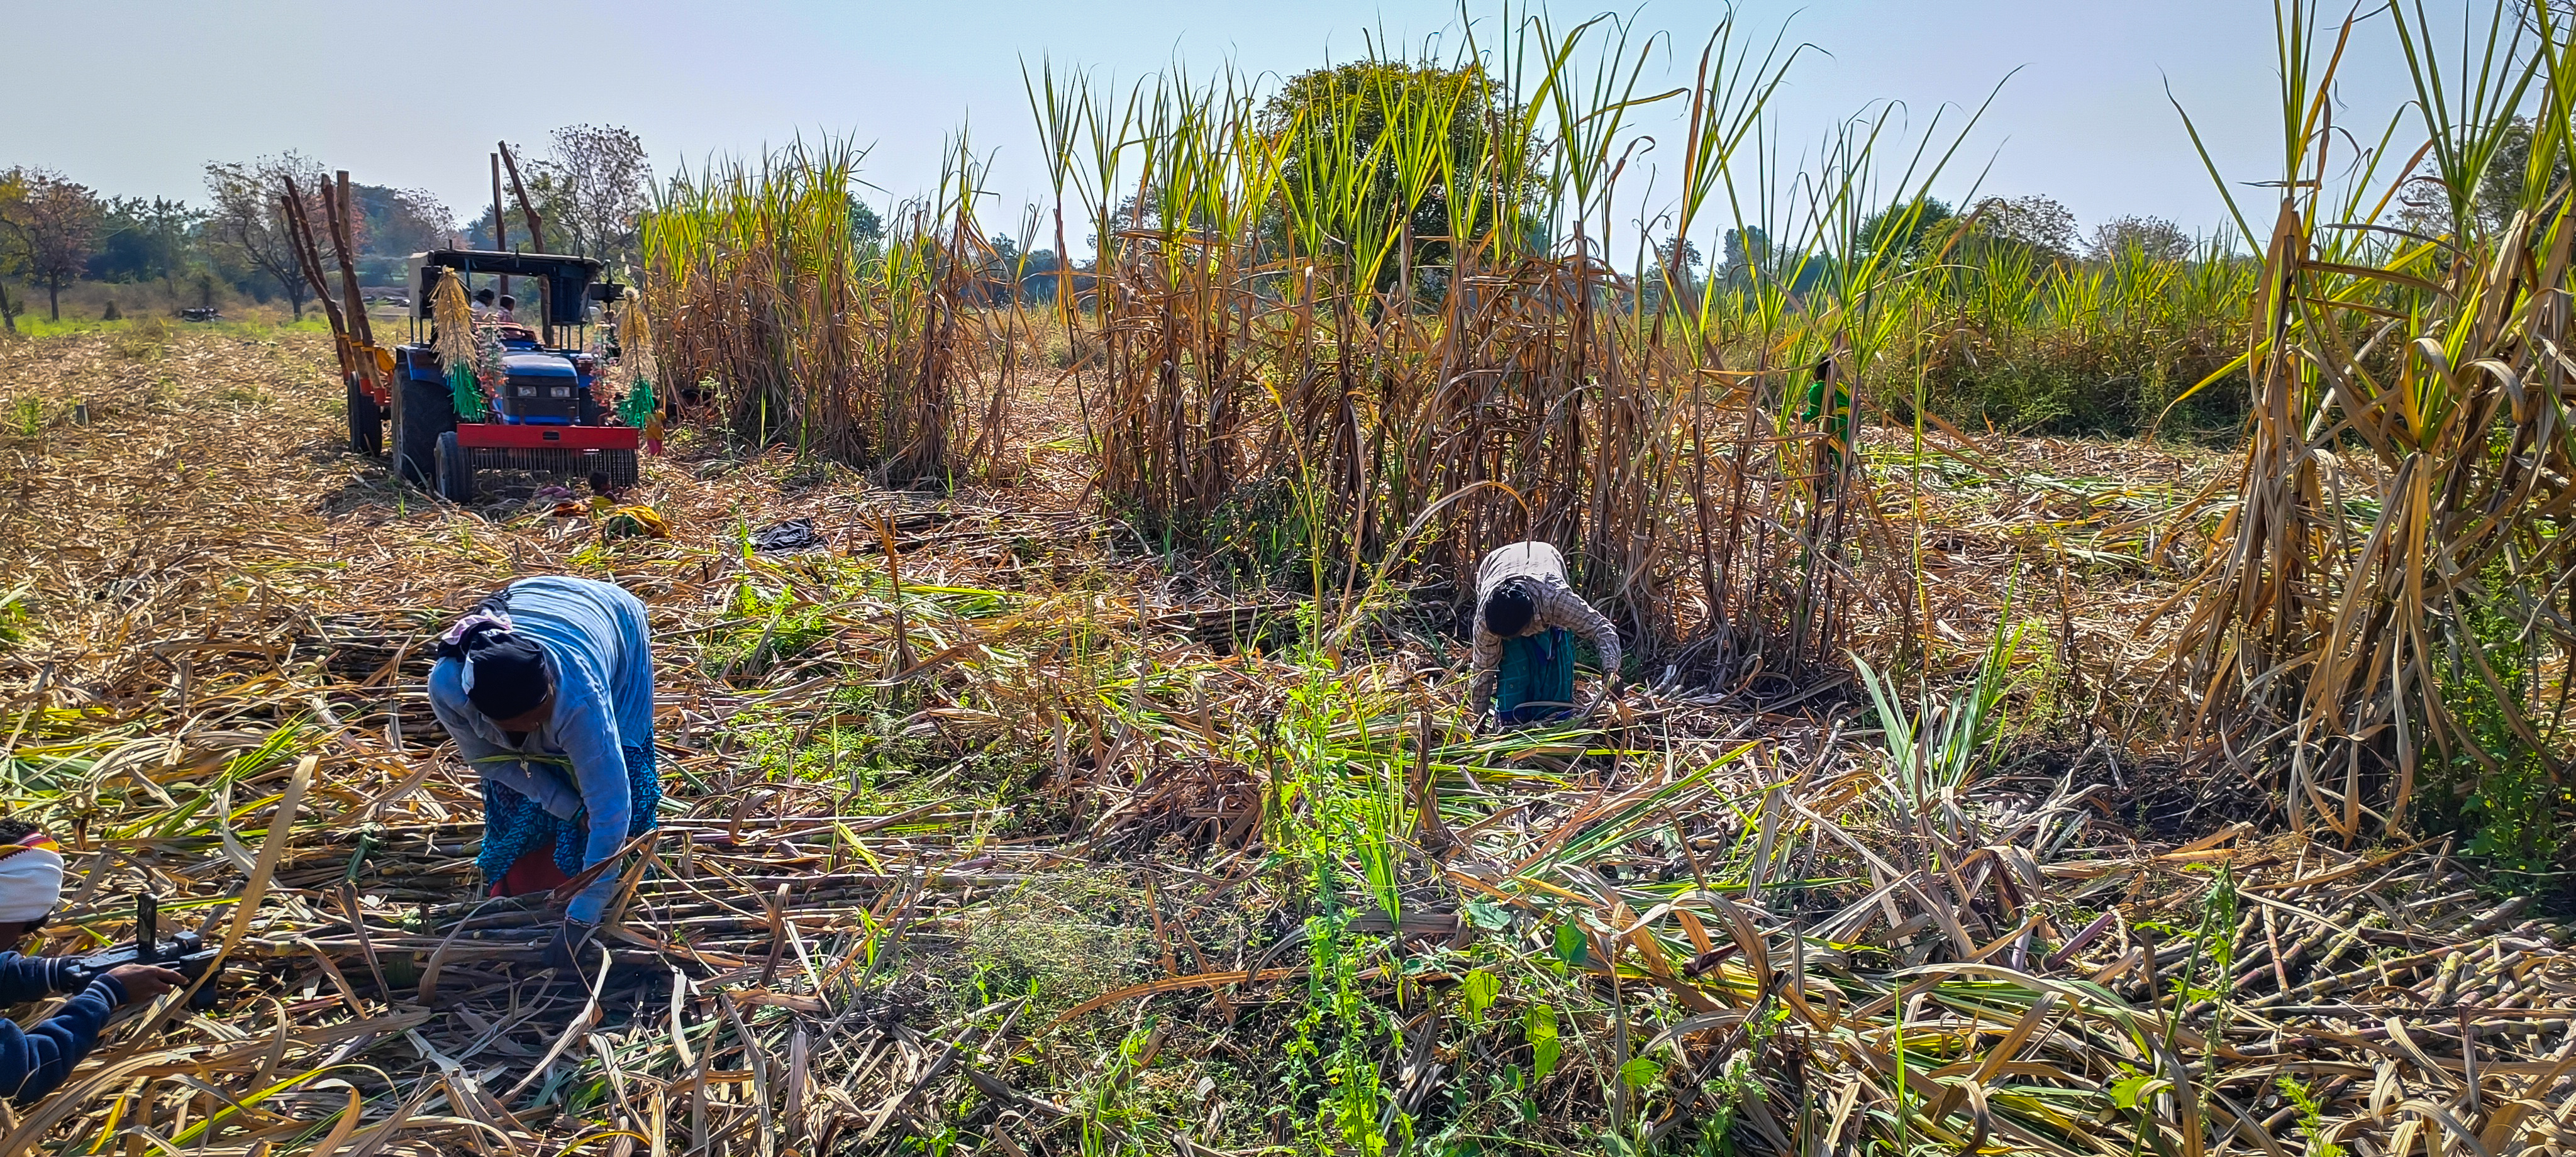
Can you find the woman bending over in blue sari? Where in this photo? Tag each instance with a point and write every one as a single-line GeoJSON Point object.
{"type": "Point", "coordinates": [547, 687]}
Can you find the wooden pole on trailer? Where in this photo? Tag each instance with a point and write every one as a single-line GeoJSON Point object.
{"type": "Point", "coordinates": [308, 257]}
{"type": "Point", "coordinates": [344, 244]}
{"type": "Point", "coordinates": [500, 224]}
{"type": "Point", "coordinates": [527, 209]}
{"type": "Point", "coordinates": [536, 240]}
{"type": "Point", "coordinates": [362, 331]}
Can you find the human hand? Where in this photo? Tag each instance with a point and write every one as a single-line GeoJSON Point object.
{"type": "Point", "coordinates": [568, 938]}
{"type": "Point", "coordinates": [144, 982]}
{"type": "Point", "coordinates": [1607, 695]}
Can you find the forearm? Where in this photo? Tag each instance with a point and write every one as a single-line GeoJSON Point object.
{"type": "Point", "coordinates": [607, 800]}
{"type": "Point", "coordinates": [44, 1056]}
{"type": "Point", "coordinates": [26, 978]}
{"type": "Point", "coordinates": [1569, 613]}
{"type": "Point", "coordinates": [604, 838]}
{"type": "Point", "coordinates": [1485, 659]}
{"type": "Point", "coordinates": [482, 754]}
{"type": "Point", "coordinates": [1607, 642]}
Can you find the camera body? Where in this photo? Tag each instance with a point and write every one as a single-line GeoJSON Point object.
{"type": "Point", "coordinates": [186, 953]}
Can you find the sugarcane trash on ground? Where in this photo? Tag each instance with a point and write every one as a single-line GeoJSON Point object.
{"type": "Point", "coordinates": [970, 831]}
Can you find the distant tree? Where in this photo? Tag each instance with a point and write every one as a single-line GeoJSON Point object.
{"type": "Point", "coordinates": [1675, 258]}
{"type": "Point", "coordinates": [13, 186]}
{"type": "Point", "coordinates": [2500, 191]}
{"type": "Point", "coordinates": [1339, 116]}
{"type": "Point", "coordinates": [1037, 275]}
{"type": "Point", "coordinates": [52, 224]}
{"type": "Point", "coordinates": [2037, 223]}
{"type": "Point", "coordinates": [1744, 252]}
{"type": "Point", "coordinates": [477, 233]}
{"type": "Point", "coordinates": [2155, 237]}
{"type": "Point", "coordinates": [249, 225]}
{"type": "Point", "coordinates": [400, 222]}
{"type": "Point", "coordinates": [1898, 234]}
{"type": "Point", "coordinates": [124, 249]}
{"type": "Point", "coordinates": [1751, 257]}
{"type": "Point", "coordinates": [142, 240]}
{"type": "Point", "coordinates": [2424, 204]}
{"type": "Point", "coordinates": [593, 185]}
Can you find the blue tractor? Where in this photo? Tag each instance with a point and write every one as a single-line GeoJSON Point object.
{"type": "Point", "coordinates": [546, 414]}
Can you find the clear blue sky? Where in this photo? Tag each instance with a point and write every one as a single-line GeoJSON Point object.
{"type": "Point", "coordinates": [134, 98]}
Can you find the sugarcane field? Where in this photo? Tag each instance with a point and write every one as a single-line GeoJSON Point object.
{"type": "Point", "coordinates": [1395, 581]}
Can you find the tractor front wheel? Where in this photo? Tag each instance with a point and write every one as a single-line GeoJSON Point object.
{"type": "Point", "coordinates": [455, 470]}
{"type": "Point", "coordinates": [366, 422]}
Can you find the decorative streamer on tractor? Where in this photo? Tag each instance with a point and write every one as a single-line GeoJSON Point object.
{"type": "Point", "coordinates": [635, 349]}
{"type": "Point", "coordinates": [453, 316]}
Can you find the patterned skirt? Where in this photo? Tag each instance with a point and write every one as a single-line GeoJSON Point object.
{"type": "Point", "coordinates": [513, 824]}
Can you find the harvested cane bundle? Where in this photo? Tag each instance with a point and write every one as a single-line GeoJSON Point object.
{"type": "Point", "coordinates": [635, 350]}
{"type": "Point", "coordinates": [454, 318]}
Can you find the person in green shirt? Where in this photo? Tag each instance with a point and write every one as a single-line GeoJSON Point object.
{"type": "Point", "coordinates": [1829, 404]}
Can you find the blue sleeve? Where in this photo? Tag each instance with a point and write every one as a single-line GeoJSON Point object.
{"type": "Point", "coordinates": [34, 1062]}
{"type": "Point", "coordinates": [26, 978]}
{"type": "Point", "coordinates": [586, 726]}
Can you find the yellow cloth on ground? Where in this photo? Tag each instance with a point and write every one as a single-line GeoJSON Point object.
{"type": "Point", "coordinates": [632, 521]}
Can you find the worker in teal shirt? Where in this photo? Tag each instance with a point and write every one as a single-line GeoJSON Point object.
{"type": "Point", "coordinates": [547, 687]}
{"type": "Point", "coordinates": [1829, 403]}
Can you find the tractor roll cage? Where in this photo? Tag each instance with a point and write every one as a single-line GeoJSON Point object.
{"type": "Point", "coordinates": [569, 280]}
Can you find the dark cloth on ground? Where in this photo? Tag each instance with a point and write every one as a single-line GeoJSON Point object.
{"type": "Point", "coordinates": [789, 537]}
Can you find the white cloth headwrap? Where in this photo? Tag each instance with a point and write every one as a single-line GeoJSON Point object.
{"type": "Point", "coordinates": [455, 637]}
{"type": "Point", "coordinates": [456, 634]}
{"type": "Point", "coordinates": [31, 880]}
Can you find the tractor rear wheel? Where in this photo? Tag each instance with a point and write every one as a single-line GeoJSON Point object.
{"type": "Point", "coordinates": [455, 470]}
{"type": "Point", "coordinates": [428, 411]}
{"type": "Point", "coordinates": [366, 422]}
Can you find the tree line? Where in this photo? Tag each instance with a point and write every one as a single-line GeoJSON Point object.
{"type": "Point", "coordinates": [590, 188]}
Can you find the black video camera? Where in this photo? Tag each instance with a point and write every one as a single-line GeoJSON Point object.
{"type": "Point", "coordinates": [186, 953]}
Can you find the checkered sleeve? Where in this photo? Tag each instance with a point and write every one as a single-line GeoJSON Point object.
{"type": "Point", "coordinates": [1560, 607]}
{"type": "Point", "coordinates": [1483, 661]}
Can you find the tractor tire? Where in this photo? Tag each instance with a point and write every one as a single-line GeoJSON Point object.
{"type": "Point", "coordinates": [619, 465]}
{"type": "Point", "coordinates": [428, 411]}
{"type": "Point", "coordinates": [366, 423]}
{"type": "Point", "coordinates": [455, 470]}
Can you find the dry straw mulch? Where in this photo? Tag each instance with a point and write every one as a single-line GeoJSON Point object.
{"type": "Point", "coordinates": [983, 788]}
